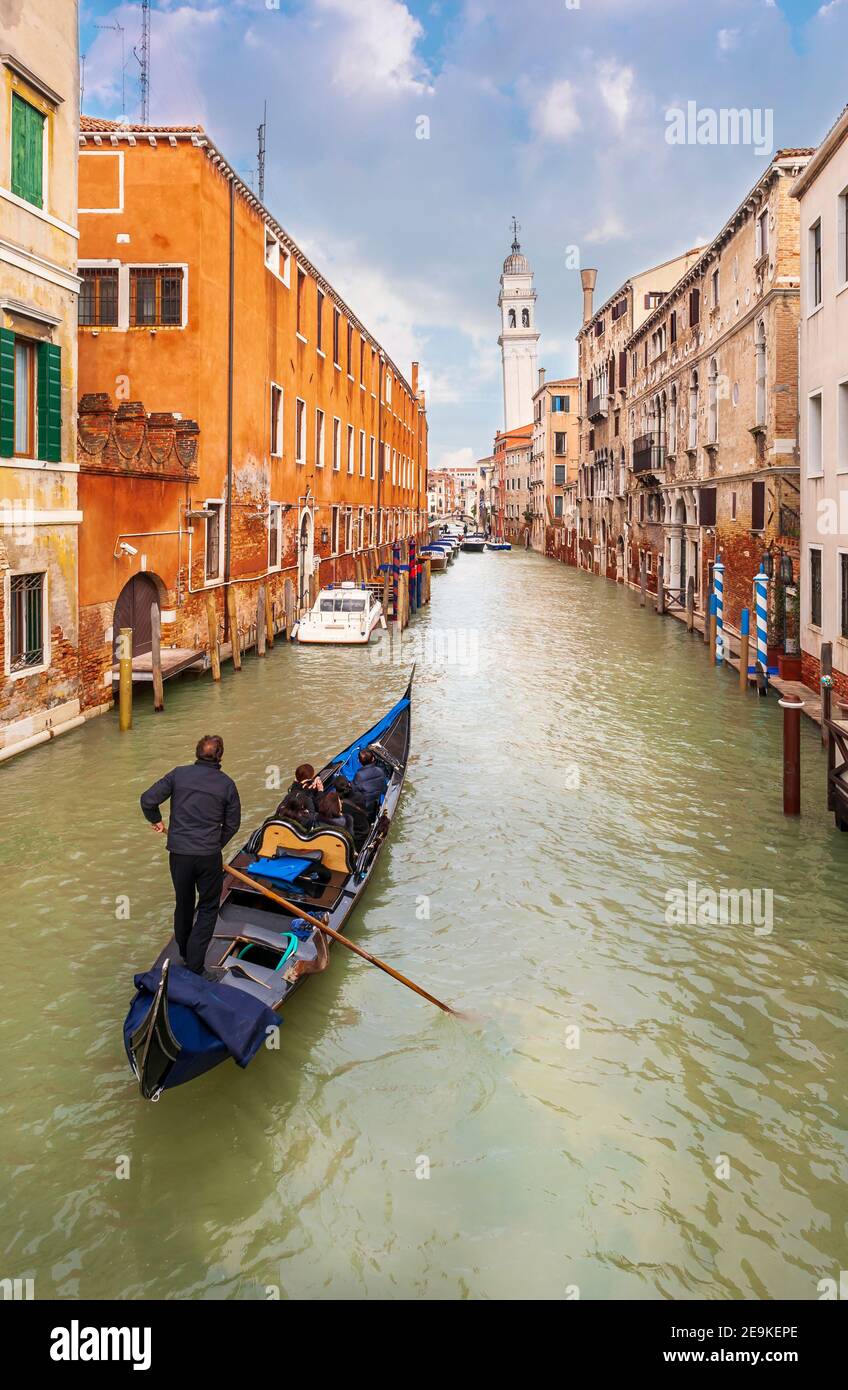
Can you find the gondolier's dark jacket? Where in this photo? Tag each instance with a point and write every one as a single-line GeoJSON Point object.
{"type": "Point", "coordinates": [205, 807]}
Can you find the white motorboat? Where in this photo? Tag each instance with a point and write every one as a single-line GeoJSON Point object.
{"type": "Point", "coordinates": [344, 614]}
{"type": "Point", "coordinates": [475, 545]}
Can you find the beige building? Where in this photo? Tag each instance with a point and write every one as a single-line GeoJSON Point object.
{"type": "Point", "coordinates": [603, 368]}
{"type": "Point", "coordinates": [555, 453]}
{"type": "Point", "coordinates": [822, 191]}
{"type": "Point", "coordinates": [711, 411]}
{"type": "Point", "coordinates": [39, 129]}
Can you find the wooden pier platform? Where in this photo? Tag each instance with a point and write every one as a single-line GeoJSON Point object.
{"type": "Point", "coordinates": [174, 661]}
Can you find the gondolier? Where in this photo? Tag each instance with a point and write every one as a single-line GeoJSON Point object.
{"type": "Point", "coordinates": [205, 815]}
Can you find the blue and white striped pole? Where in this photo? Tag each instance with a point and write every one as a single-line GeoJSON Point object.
{"type": "Point", "coordinates": [761, 583]}
{"type": "Point", "coordinates": [718, 585]}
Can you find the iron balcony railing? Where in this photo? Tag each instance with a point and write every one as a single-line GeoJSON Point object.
{"type": "Point", "coordinates": [647, 456]}
{"type": "Point", "coordinates": [597, 408]}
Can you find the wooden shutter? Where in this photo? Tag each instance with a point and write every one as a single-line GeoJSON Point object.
{"type": "Point", "coordinates": [7, 393]}
{"type": "Point", "coordinates": [49, 402]}
{"type": "Point", "coordinates": [27, 150]}
{"type": "Point", "coordinates": [758, 506]}
{"type": "Point", "coordinates": [622, 369]}
{"type": "Point", "coordinates": [707, 506]}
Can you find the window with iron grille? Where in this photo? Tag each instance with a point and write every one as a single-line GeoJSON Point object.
{"type": "Point", "coordinates": [156, 296]}
{"type": "Point", "coordinates": [815, 587]}
{"type": "Point", "coordinates": [843, 594]}
{"type": "Point", "coordinates": [98, 301]}
{"type": "Point", "coordinates": [26, 602]}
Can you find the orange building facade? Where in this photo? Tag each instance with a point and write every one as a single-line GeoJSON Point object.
{"type": "Point", "coordinates": [239, 426]}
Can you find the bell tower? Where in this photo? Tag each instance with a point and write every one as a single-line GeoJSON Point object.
{"type": "Point", "coordinates": [519, 340]}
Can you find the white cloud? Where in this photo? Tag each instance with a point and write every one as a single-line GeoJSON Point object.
{"type": "Point", "coordinates": [458, 458]}
{"type": "Point", "coordinates": [728, 39]}
{"type": "Point", "coordinates": [377, 47]}
{"type": "Point", "coordinates": [615, 84]}
{"type": "Point", "coordinates": [610, 228]}
{"type": "Point", "coordinates": [828, 9]}
{"type": "Point", "coordinates": [553, 112]}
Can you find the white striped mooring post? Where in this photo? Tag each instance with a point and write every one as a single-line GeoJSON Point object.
{"type": "Point", "coordinates": [761, 583]}
{"type": "Point", "coordinates": [718, 587]}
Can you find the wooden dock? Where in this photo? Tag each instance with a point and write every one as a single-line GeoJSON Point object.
{"type": "Point", "coordinates": [174, 661]}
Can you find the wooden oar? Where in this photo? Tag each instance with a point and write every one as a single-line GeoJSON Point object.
{"type": "Point", "coordinates": [298, 911]}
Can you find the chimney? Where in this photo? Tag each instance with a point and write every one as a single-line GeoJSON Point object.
{"type": "Point", "coordinates": [589, 280]}
{"type": "Point", "coordinates": [415, 378]}
{"type": "Point", "coordinates": [541, 378]}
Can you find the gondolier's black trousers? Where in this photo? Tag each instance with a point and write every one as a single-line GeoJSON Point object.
{"type": "Point", "coordinates": [201, 877]}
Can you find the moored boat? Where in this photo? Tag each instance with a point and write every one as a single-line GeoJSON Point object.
{"type": "Point", "coordinates": [498, 545]}
{"type": "Point", "coordinates": [474, 544]}
{"type": "Point", "coordinates": [437, 555]}
{"type": "Point", "coordinates": [181, 1025]}
{"type": "Point", "coordinates": [343, 614]}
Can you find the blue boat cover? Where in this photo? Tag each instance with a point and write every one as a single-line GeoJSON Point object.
{"type": "Point", "coordinates": [347, 762]}
{"type": "Point", "coordinates": [285, 869]}
{"type": "Point", "coordinates": [238, 1019]}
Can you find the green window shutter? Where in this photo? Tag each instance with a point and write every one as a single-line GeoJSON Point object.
{"type": "Point", "coordinates": [49, 402]}
{"type": "Point", "coordinates": [27, 151]}
{"type": "Point", "coordinates": [7, 393]}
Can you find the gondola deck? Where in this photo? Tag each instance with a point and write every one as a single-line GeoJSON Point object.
{"type": "Point", "coordinates": [180, 1025]}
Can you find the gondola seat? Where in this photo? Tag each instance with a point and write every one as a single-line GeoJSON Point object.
{"type": "Point", "coordinates": [336, 846]}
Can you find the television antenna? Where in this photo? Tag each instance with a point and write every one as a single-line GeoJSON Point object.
{"type": "Point", "coordinates": [143, 59]}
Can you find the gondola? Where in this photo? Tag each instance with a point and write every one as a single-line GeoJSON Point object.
{"type": "Point", "coordinates": [180, 1025]}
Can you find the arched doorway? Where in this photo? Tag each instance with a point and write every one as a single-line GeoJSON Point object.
{"type": "Point", "coordinates": [132, 609]}
{"type": "Point", "coordinates": [305, 559]}
{"type": "Point", "coordinates": [619, 560]}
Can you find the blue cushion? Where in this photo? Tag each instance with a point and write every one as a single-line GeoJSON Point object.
{"type": "Point", "coordinates": [285, 869]}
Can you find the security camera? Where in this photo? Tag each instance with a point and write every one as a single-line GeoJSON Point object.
{"type": "Point", "coordinates": [126, 549]}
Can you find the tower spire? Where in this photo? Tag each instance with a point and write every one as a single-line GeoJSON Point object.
{"type": "Point", "coordinates": [516, 228]}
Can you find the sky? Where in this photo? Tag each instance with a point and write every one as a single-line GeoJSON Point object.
{"type": "Point", "coordinates": [554, 111]}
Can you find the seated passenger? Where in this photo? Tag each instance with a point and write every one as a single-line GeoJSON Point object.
{"type": "Point", "coordinates": [308, 785]}
{"type": "Point", "coordinates": [371, 780]}
{"type": "Point", "coordinates": [330, 813]}
{"type": "Point", "coordinates": [298, 807]}
{"type": "Point", "coordinates": [353, 805]}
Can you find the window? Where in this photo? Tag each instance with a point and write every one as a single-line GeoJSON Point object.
{"type": "Point", "coordinates": [712, 417]}
{"type": "Point", "coordinates": [24, 388]}
{"type": "Point", "coordinates": [693, 411]}
{"type": "Point", "coordinates": [350, 440]}
{"type": "Point", "coordinates": [275, 536]}
{"type": "Point", "coordinates": [559, 474]}
{"type": "Point", "coordinates": [715, 288]}
{"type": "Point", "coordinates": [337, 445]}
{"type": "Point", "coordinates": [26, 621]}
{"type": "Point", "coordinates": [843, 594]}
{"type": "Point", "coordinates": [814, 436]}
{"type": "Point", "coordinates": [388, 388]}
{"type": "Point", "coordinates": [672, 326]}
{"type": "Point", "coordinates": [30, 398]}
{"type": "Point", "coordinates": [815, 586]}
{"type": "Point", "coordinates": [300, 432]}
{"type": "Point", "coordinates": [762, 235]}
{"type": "Point", "coordinates": [319, 439]}
{"type": "Point", "coordinates": [276, 420]}
{"type": "Point", "coordinates": [816, 264]}
{"type": "Point", "coordinates": [560, 444]}
{"type": "Point", "coordinates": [362, 362]}
{"type": "Point", "coordinates": [733, 506]}
{"type": "Point", "coordinates": [350, 350]}
{"type": "Point", "coordinates": [214, 554]}
{"type": "Point", "coordinates": [654, 298]}
{"type": "Point", "coordinates": [319, 331]}
{"type": "Point", "coordinates": [694, 308]}
{"type": "Point", "coordinates": [760, 368]}
{"type": "Point", "coordinates": [842, 427]}
{"type": "Point", "coordinates": [301, 291]}
{"type": "Point", "coordinates": [372, 457]}
{"type": "Point", "coordinates": [276, 257]}
{"type": "Point", "coordinates": [98, 301]}
{"type": "Point", "coordinates": [758, 506]}
{"type": "Point", "coordinates": [156, 296]}
{"type": "Point", "coordinates": [334, 530]}
{"type": "Point", "coordinates": [336, 329]}
{"type": "Point", "coordinates": [27, 151]}
{"type": "Point", "coordinates": [561, 405]}
{"type": "Point", "coordinates": [362, 453]}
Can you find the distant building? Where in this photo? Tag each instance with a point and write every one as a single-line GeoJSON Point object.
{"type": "Point", "coordinates": [441, 493]}
{"type": "Point", "coordinates": [39, 511]}
{"type": "Point", "coordinates": [555, 456]}
{"type": "Point", "coordinates": [519, 340]}
{"type": "Point", "coordinates": [512, 453]}
{"type": "Point", "coordinates": [822, 191]}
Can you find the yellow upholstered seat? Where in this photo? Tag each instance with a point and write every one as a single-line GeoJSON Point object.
{"type": "Point", "coordinates": [336, 847]}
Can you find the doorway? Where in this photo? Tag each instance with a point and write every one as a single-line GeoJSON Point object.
{"type": "Point", "coordinates": [305, 560]}
{"type": "Point", "coordinates": [133, 610]}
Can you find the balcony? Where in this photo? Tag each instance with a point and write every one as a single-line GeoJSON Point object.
{"type": "Point", "coordinates": [598, 408]}
{"type": "Point", "coordinates": [647, 457]}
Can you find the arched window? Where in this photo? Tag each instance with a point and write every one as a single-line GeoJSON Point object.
{"type": "Point", "coordinates": [712, 421]}
{"type": "Point", "coordinates": [693, 411]}
{"type": "Point", "coordinates": [511, 318]}
{"type": "Point", "coordinates": [672, 422]}
{"type": "Point", "coordinates": [525, 318]}
{"type": "Point", "coordinates": [760, 354]}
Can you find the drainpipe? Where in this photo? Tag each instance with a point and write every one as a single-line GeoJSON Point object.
{"type": "Point", "coordinates": [228, 532]}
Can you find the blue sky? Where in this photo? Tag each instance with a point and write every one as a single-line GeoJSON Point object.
{"type": "Point", "coordinates": [550, 109]}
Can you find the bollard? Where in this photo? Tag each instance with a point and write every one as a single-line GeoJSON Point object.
{"type": "Point", "coordinates": [791, 706]}
{"type": "Point", "coordinates": [125, 646]}
{"type": "Point", "coordinates": [713, 630]}
{"type": "Point", "coordinates": [761, 583]}
{"type": "Point", "coordinates": [212, 625]}
{"type": "Point", "coordinates": [156, 657]}
{"type": "Point", "coordinates": [745, 627]}
{"type": "Point", "coordinates": [718, 585]}
{"type": "Point", "coordinates": [234, 632]}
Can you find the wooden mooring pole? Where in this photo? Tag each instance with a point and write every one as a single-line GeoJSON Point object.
{"type": "Point", "coordinates": [260, 621]}
{"type": "Point", "coordinates": [643, 579]}
{"type": "Point", "coordinates": [156, 657]}
{"type": "Point", "coordinates": [660, 585]}
{"type": "Point", "coordinates": [212, 626]}
{"type": "Point", "coordinates": [791, 706]}
{"type": "Point", "coordinates": [125, 646]}
{"type": "Point", "coordinates": [826, 664]}
{"type": "Point", "coordinates": [744, 642]}
{"type": "Point", "coordinates": [232, 614]}
{"type": "Point", "coordinates": [690, 604]}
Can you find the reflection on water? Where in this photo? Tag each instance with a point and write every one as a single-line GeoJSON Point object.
{"type": "Point", "coordinates": [640, 1108]}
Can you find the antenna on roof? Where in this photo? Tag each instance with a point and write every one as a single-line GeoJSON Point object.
{"type": "Point", "coordinates": [261, 132]}
{"type": "Point", "coordinates": [144, 62]}
{"type": "Point", "coordinates": [82, 79]}
{"type": "Point", "coordinates": [119, 28]}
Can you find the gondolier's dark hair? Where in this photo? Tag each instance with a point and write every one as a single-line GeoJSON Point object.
{"type": "Point", "coordinates": [210, 748]}
{"type": "Point", "coordinates": [304, 773]}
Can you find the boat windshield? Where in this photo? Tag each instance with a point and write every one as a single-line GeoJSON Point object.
{"type": "Point", "coordinates": [353, 605]}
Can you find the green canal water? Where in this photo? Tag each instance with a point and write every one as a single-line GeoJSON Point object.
{"type": "Point", "coordinates": [640, 1107]}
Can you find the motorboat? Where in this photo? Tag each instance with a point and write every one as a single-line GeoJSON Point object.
{"type": "Point", "coordinates": [344, 614]}
{"type": "Point", "coordinates": [475, 545]}
{"type": "Point", "coordinates": [498, 545]}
